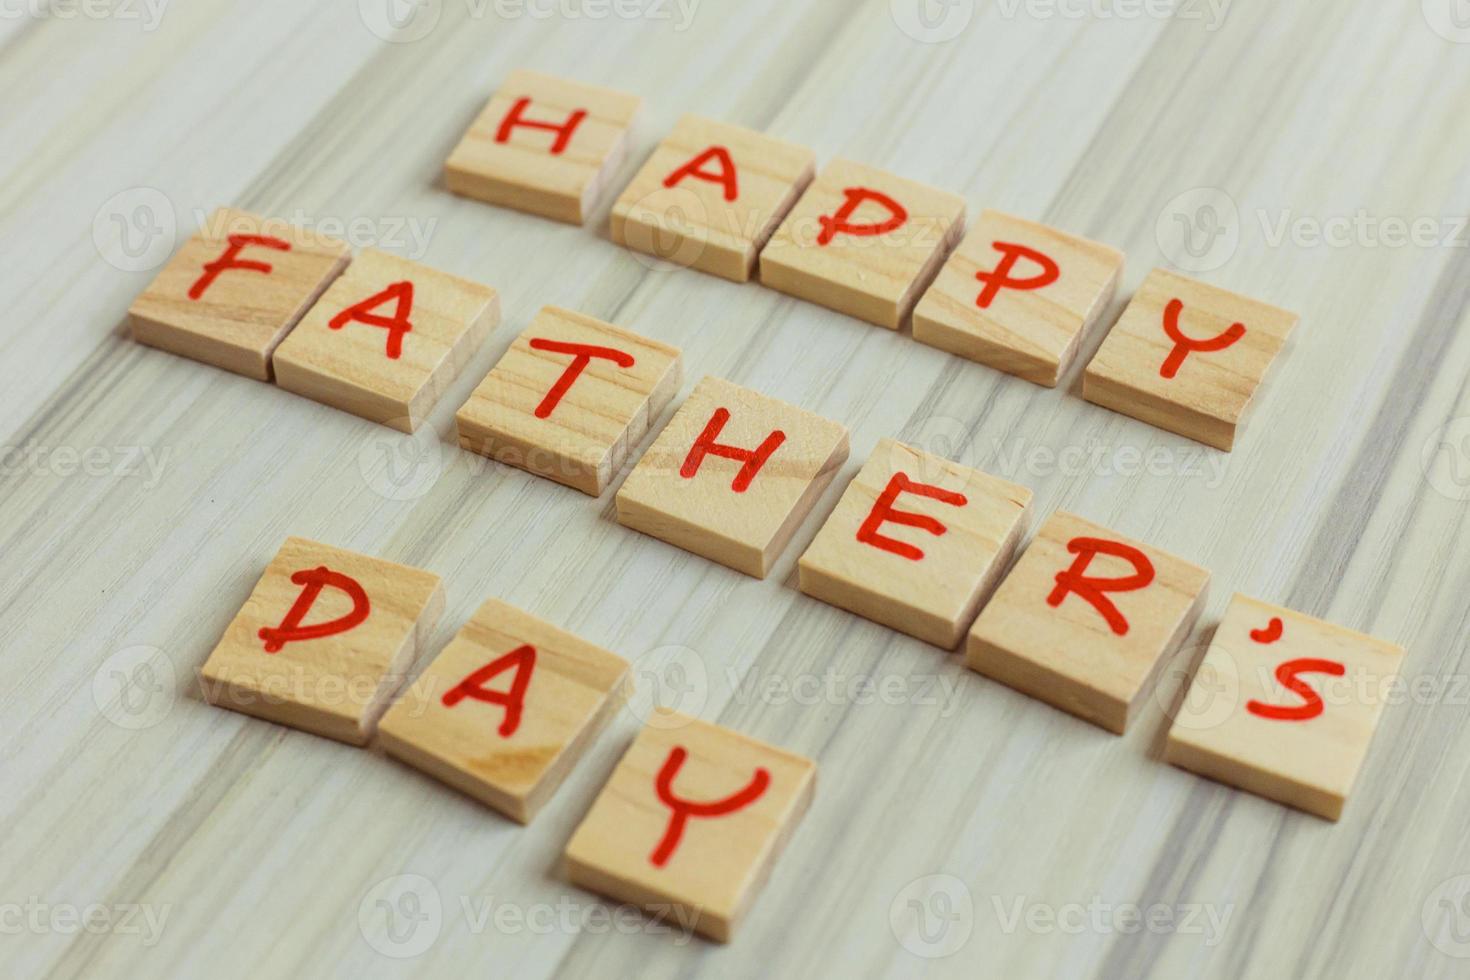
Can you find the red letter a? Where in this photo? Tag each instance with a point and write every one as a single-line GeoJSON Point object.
{"type": "Point", "coordinates": [1001, 277]}
{"type": "Point", "coordinates": [705, 445]}
{"type": "Point", "coordinates": [523, 659]}
{"type": "Point", "coordinates": [835, 224]}
{"type": "Point", "coordinates": [229, 259]}
{"type": "Point", "coordinates": [397, 325]}
{"type": "Point", "coordinates": [726, 175]}
{"type": "Point", "coordinates": [684, 809]}
{"type": "Point", "coordinates": [1076, 579]}
{"type": "Point", "coordinates": [312, 582]}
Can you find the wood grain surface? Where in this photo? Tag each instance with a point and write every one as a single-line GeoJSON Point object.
{"type": "Point", "coordinates": [1317, 155]}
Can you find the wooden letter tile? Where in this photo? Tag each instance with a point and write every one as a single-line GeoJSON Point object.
{"type": "Point", "coordinates": [1019, 297]}
{"type": "Point", "coordinates": [732, 475]}
{"type": "Point", "coordinates": [545, 145]}
{"type": "Point", "coordinates": [710, 196]}
{"type": "Point", "coordinates": [1085, 620]}
{"type": "Point", "coordinates": [863, 242]}
{"type": "Point", "coordinates": [505, 711]}
{"type": "Point", "coordinates": [1284, 706]}
{"type": "Point", "coordinates": [691, 823]}
{"type": "Point", "coordinates": [235, 289]}
{"type": "Point", "coordinates": [570, 399]}
{"type": "Point", "coordinates": [1187, 357]}
{"type": "Point", "coordinates": [916, 543]}
{"type": "Point", "coordinates": [387, 339]}
{"type": "Point", "coordinates": [323, 641]}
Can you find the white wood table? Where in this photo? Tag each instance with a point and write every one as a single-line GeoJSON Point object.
{"type": "Point", "coordinates": [1317, 153]}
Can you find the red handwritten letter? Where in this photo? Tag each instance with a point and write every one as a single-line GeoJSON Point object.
{"type": "Point", "coordinates": [838, 223]}
{"type": "Point", "coordinates": [563, 130]}
{"type": "Point", "coordinates": [1092, 588]}
{"type": "Point", "coordinates": [397, 325]}
{"type": "Point", "coordinates": [582, 355]}
{"type": "Point", "coordinates": [1311, 705]}
{"type": "Point", "coordinates": [705, 445]}
{"type": "Point", "coordinates": [725, 175]}
{"type": "Point", "coordinates": [312, 582]}
{"type": "Point", "coordinates": [1184, 346]}
{"type": "Point", "coordinates": [883, 512]}
{"type": "Point", "coordinates": [684, 809]}
{"type": "Point", "coordinates": [229, 259]}
{"type": "Point", "coordinates": [1001, 277]}
{"type": "Point", "coordinates": [523, 660]}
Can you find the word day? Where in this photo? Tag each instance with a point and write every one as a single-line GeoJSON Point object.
{"type": "Point", "coordinates": [1081, 617]}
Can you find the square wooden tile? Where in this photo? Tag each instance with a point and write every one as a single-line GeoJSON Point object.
{"type": "Point", "coordinates": [732, 475]}
{"type": "Point", "coordinates": [1086, 620]}
{"type": "Point", "coordinates": [863, 242]}
{"type": "Point", "coordinates": [570, 399]}
{"type": "Point", "coordinates": [710, 196]}
{"type": "Point", "coordinates": [691, 823]}
{"type": "Point", "coordinates": [324, 640]}
{"type": "Point", "coordinates": [387, 339]}
{"type": "Point", "coordinates": [1019, 296]}
{"type": "Point", "coordinates": [916, 543]}
{"type": "Point", "coordinates": [235, 289]}
{"type": "Point", "coordinates": [545, 145]}
{"type": "Point", "coordinates": [1284, 705]}
{"type": "Point", "coordinates": [1187, 357]}
{"type": "Point", "coordinates": [506, 709]}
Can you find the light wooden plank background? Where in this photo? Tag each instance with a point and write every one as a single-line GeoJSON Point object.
{"type": "Point", "coordinates": [142, 493]}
